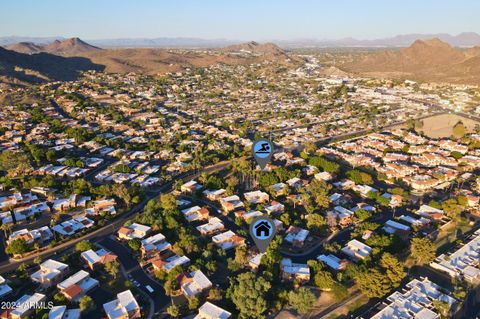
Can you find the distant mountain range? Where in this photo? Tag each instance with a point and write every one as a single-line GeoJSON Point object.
{"type": "Point", "coordinates": [465, 39]}
{"type": "Point", "coordinates": [68, 46]}
{"type": "Point", "coordinates": [424, 60]}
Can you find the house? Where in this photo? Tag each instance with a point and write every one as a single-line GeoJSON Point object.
{"type": "Point", "coordinates": [256, 197]}
{"type": "Point", "coordinates": [213, 226]}
{"type": "Point", "coordinates": [279, 189]}
{"type": "Point", "coordinates": [344, 184]}
{"type": "Point", "coordinates": [77, 285]}
{"type": "Point", "coordinates": [292, 271]}
{"type": "Point", "coordinates": [72, 226]}
{"type": "Point", "coordinates": [61, 312]}
{"type": "Point", "coordinates": [40, 235]}
{"type": "Point", "coordinates": [99, 257]}
{"type": "Point", "coordinates": [195, 213]}
{"type": "Point", "coordinates": [228, 240]}
{"type": "Point", "coordinates": [296, 235]}
{"type": "Point", "coordinates": [154, 245]}
{"type": "Point", "coordinates": [231, 203]}
{"type": "Point", "coordinates": [25, 306]}
{"type": "Point", "coordinates": [463, 263]}
{"type": "Point", "coordinates": [5, 289]}
{"type": "Point", "coordinates": [323, 176]}
{"type": "Point", "coordinates": [393, 227]}
{"type": "Point", "coordinates": [333, 261]}
{"type": "Point", "coordinates": [364, 190]}
{"type": "Point", "coordinates": [210, 311]}
{"type": "Point", "coordinates": [50, 273]}
{"type": "Point", "coordinates": [191, 187]}
{"type": "Point", "coordinates": [124, 307]}
{"type": "Point", "coordinates": [357, 250]}
{"type": "Point", "coordinates": [416, 222]}
{"type": "Point", "coordinates": [194, 283]}
{"type": "Point", "coordinates": [275, 208]}
{"type": "Point", "coordinates": [430, 212]}
{"type": "Point", "coordinates": [169, 263]}
{"type": "Point", "coordinates": [254, 261]}
{"type": "Point", "coordinates": [214, 195]}
{"type": "Point", "coordinates": [133, 231]}
{"type": "Point", "coordinates": [415, 300]}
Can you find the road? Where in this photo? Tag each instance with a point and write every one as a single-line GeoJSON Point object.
{"type": "Point", "coordinates": [136, 272]}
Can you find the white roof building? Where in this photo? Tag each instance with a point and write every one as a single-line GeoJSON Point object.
{"type": "Point", "coordinates": [26, 304]}
{"type": "Point", "coordinates": [5, 289]}
{"type": "Point", "coordinates": [357, 249]}
{"type": "Point", "coordinates": [51, 271]}
{"type": "Point", "coordinates": [415, 301]}
{"type": "Point", "coordinates": [125, 306]}
{"type": "Point", "coordinates": [61, 312]}
{"type": "Point", "coordinates": [210, 311]}
{"type": "Point", "coordinates": [195, 283]}
{"type": "Point", "coordinates": [463, 263]}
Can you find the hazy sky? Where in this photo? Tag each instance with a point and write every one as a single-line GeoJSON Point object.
{"type": "Point", "coordinates": [236, 19]}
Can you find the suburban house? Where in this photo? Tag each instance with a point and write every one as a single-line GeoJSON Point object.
{"type": "Point", "coordinates": [50, 273]}
{"type": "Point", "coordinates": [333, 261]}
{"type": "Point", "coordinates": [169, 263]}
{"type": "Point", "coordinates": [296, 235]}
{"type": "Point", "coordinates": [24, 306]}
{"type": "Point", "coordinates": [357, 250]}
{"type": "Point", "coordinates": [210, 311]}
{"type": "Point", "coordinates": [463, 263]}
{"type": "Point", "coordinates": [39, 235]}
{"type": "Point", "coordinates": [416, 299]}
{"type": "Point", "coordinates": [133, 231]}
{"type": "Point", "coordinates": [77, 285]}
{"type": "Point", "coordinates": [5, 289]}
{"type": "Point", "coordinates": [393, 227]}
{"type": "Point", "coordinates": [256, 197]}
{"type": "Point", "coordinates": [213, 226]}
{"type": "Point", "coordinates": [99, 257]}
{"type": "Point", "coordinates": [194, 283]}
{"type": "Point", "coordinates": [231, 203]}
{"type": "Point", "coordinates": [191, 187]}
{"type": "Point", "coordinates": [228, 240]}
{"type": "Point", "coordinates": [61, 312]}
{"type": "Point", "coordinates": [292, 271]}
{"type": "Point", "coordinates": [154, 245]}
{"type": "Point", "coordinates": [195, 213]}
{"type": "Point", "coordinates": [124, 307]}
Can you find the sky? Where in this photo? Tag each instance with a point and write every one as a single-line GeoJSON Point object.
{"type": "Point", "coordinates": [236, 19]}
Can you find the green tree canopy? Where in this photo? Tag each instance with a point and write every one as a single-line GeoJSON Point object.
{"type": "Point", "coordinates": [301, 300]}
{"type": "Point", "coordinates": [248, 293]}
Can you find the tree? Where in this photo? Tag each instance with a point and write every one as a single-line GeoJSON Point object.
{"type": "Point", "coordinates": [272, 256]}
{"type": "Point", "coordinates": [324, 280]}
{"type": "Point", "coordinates": [17, 247]}
{"type": "Point", "coordinates": [113, 267]}
{"type": "Point", "coordinates": [359, 177]}
{"type": "Point", "coordinates": [83, 245]}
{"type": "Point", "coordinates": [135, 244]}
{"type": "Point", "coordinates": [86, 304]}
{"type": "Point", "coordinates": [459, 130]}
{"type": "Point", "coordinates": [248, 292]}
{"type": "Point", "coordinates": [316, 222]}
{"type": "Point", "coordinates": [318, 191]}
{"type": "Point", "coordinates": [173, 311]}
{"type": "Point", "coordinates": [168, 202]}
{"type": "Point", "coordinates": [301, 300]}
{"type": "Point", "coordinates": [393, 269]}
{"type": "Point", "coordinates": [193, 303]}
{"type": "Point", "coordinates": [241, 255]}
{"type": "Point", "coordinates": [363, 214]}
{"type": "Point", "coordinates": [452, 208]}
{"type": "Point", "coordinates": [214, 294]}
{"type": "Point", "coordinates": [373, 283]}
{"type": "Point", "coordinates": [37, 260]}
{"type": "Point", "coordinates": [422, 250]}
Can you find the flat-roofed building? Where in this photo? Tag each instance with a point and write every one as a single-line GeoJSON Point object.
{"type": "Point", "coordinates": [333, 261]}
{"type": "Point", "coordinates": [77, 285]}
{"type": "Point", "coordinates": [50, 273]}
{"type": "Point", "coordinates": [133, 231]}
{"type": "Point", "coordinates": [463, 263]}
{"type": "Point", "coordinates": [124, 307]}
{"type": "Point", "coordinates": [415, 301]}
{"type": "Point", "coordinates": [99, 257]}
{"type": "Point", "coordinates": [211, 311]}
{"type": "Point", "coordinates": [293, 271]}
{"type": "Point", "coordinates": [25, 306]}
{"type": "Point", "coordinates": [357, 250]}
{"type": "Point", "coordinates": [194, 283]}
{"type": "Point", "coordinates": [61, 312]}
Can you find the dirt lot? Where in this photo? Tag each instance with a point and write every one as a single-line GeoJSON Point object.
{"type": "Point", "coordinates": [442, 125]}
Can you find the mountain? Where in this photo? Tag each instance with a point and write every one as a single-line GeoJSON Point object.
{"type": "Point", "coordinates": [161, 43]}
{"type": "Point", "coordinates": [425, 60]}
{"type": "Point", "coordinates": [68, 46]}
{"type": "Point", "coordinates": [256, 48]}
{"type": "Point", "coordinates": [21, 68]}
{"type": "Point", "coordinates": [25, 47]}
{"type": "Point", "coordinates": [72, 45]}
{"type": "Point", "coordinates": [4, 41]}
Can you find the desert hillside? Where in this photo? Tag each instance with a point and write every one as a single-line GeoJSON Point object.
{"type": "Point", "coordinates": [425, 60]}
